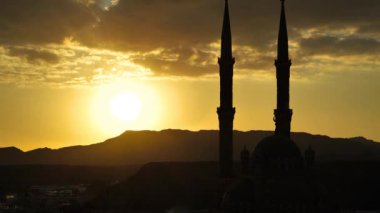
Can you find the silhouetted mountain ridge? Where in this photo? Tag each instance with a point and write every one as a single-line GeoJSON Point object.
{"type": "Point", "coordinates": [10, 149]}
{"type": "Point", "coordinates": [140, 147]}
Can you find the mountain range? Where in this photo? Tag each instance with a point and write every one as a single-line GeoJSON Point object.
{"type": "Point", "coordinates": [140, 147]}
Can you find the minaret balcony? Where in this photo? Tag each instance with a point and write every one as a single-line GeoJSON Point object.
{"type": "Point", "coordinates": [226, 61]}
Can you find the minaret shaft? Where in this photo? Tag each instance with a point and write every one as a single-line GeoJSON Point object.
{"type": "Point", "coordinates": [283, 114]}
{"type": "Point", "coordinates": [226, 111]}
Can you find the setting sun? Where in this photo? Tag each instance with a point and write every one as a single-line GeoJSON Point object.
{"type": "Point", "coordinates": [126, 106]}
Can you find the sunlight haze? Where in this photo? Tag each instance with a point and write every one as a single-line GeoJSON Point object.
{"type": "Point", "coordinates": [109, 66]}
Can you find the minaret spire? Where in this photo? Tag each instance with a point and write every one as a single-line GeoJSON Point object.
{"type": "Point", "coordinates": [226, 49]}
{"type": "Point", "coordinates": [283, 114]}
{"type": "Point", "coordinates": [282, 48]}
{"type": "Point", "coordinates": [226, 111]}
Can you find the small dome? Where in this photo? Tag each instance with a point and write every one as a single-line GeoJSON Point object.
{"type": "Point", "coordinates": [276, 154]}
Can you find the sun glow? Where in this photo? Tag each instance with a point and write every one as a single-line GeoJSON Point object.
{"type": "Point", "coordinates": [126, 106]}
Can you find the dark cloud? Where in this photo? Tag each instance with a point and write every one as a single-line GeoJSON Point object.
{"type": "Point", "coordinates": [370, 28]}
{"type": "Point", "coordinates": [42, 21]}
{"type": "Point", "coordinates": [139, 24]}
{"type": "Point", "coordinates": [34, 56]}
{"type": "Point", "coordinates": [328, 45]}
{"type": "Point", "coordinates": [252, 59]}
{"type": "Point", "coordinates": [152, 23]}
{"type": "Point", "coordinates": [192, 61]}
{"type": "Point", "coordinates": [332, 12]}
{"type": "Point", "coordinates": [186, 27]}
{"type": "Point", "coordinates": [175, 68]}
{"type": "Point", "coordinates": [149, 24]}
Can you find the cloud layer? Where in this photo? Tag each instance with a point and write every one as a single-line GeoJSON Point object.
{"type": "Point", "coordinates": [180, 37]}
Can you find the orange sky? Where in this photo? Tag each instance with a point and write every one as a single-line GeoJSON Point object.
{"type": "Point", "coordinates": [58, 87]}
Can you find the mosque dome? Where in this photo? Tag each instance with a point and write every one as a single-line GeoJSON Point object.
{"type": "Point", "coordinates": [275, 155]}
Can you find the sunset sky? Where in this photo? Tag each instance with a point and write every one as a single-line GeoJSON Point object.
{"type": "Point", "coordinates": [70, 68]}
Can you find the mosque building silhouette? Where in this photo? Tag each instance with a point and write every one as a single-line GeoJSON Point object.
{"type": "Point", "coordinates": [275, 177]}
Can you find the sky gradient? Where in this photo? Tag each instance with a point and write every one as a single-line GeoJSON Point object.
{"type": "Point", "coordinates": [63, 62]}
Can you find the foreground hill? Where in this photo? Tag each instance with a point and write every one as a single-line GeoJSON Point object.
{"type": "Point", "coordinates": [140, 147]}
{"type": "Point", "coordinates": [163, 187]}
{"type": "Point", "coordinates": [192, 187]}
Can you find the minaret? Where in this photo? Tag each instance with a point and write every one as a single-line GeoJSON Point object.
{"type": "Point", "coordinates": [226, 111]}
{"type": "Point", "coordinates": [283, 114]}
